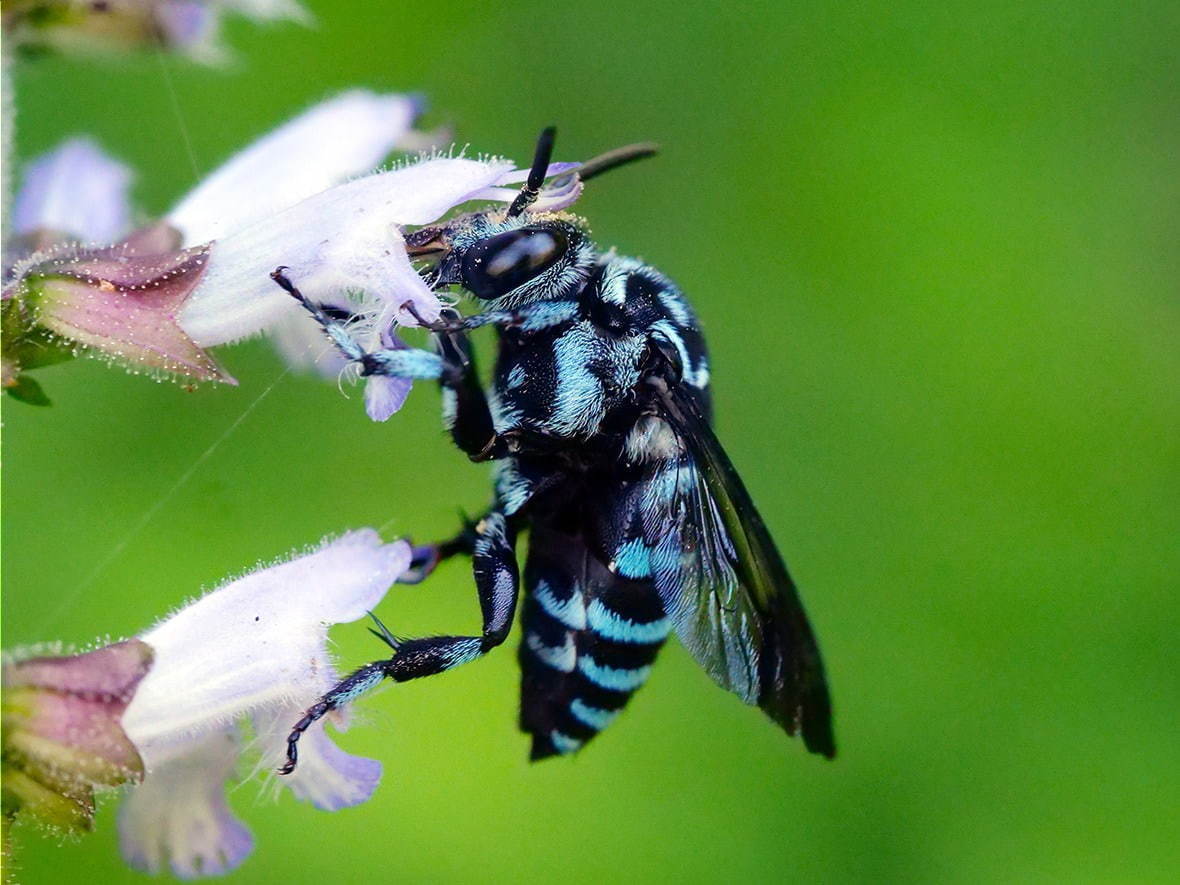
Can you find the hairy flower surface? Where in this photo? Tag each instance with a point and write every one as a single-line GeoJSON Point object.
{"type": "Point", "coordinates": [344, 247]}
{"type": "Point", "coordinates": [173, 710]}
{"type": "Point", "coordinates": [83, 281]}
{"type": "Point", "coordinates": [123, 301]}
{"type": "Point", "coordinates": [254, 650]}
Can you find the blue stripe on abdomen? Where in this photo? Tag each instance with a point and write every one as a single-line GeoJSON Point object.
{"type": "Point", "coordinates": [615, 679]}
{"type": "Point", "coordinates": [633, 560]}
{"type": "Point", "coordinates": [592, 717]}
{"type": "Point", "coordinates": [611, 625]}
{"type": "Point", "coordinates": [559, 657]}
{"type": "Point", "coordinates": [563, 743]}
{"type": "Point", "coordinates": [570, 611]}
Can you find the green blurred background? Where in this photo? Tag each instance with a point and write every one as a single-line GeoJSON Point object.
{"type": "Point", "coordinates": [934, 247]}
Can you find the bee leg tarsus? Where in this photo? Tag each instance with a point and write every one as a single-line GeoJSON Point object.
{"type": "Point", "coordinates": [396, 362]}
{"type": "Point", "coordinates": [449, 320]}
{"type": "Point", "coordinates": [336, 331]}
{"type": "Point", "coordinates": [350, 688]}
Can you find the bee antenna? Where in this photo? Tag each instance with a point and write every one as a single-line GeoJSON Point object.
{"type": "Point", "coordinates": [618, 157]}
{"type": "Point", "coordinates": [532, 188]}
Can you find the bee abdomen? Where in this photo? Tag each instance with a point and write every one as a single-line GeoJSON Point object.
{"type": "Point", "coordinates": [587, 648]}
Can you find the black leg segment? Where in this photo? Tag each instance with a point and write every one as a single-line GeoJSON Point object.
{"type": "Point", "coordinates": [465, 405]}
{"type": "Point", "coordinates": [497, 580]}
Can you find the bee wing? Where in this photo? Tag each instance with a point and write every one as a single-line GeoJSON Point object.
{"type": "Point", "coordinates": [727, 588]}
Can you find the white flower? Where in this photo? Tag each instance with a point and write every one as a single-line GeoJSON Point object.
{"type": "Point", "coordinates": [344, 136]}
{"type": "Point", "coordinates": [75, 191]}
{"type": "Point", "coordinates": [201, 277]}
{"type": "Point", "coordinates": [122, 299]}
{"type": "Point", "coordinates": [344, 239]}
{"type": "Point", "coordinates": [255, 649]}
{"type": "Point", "coordinates": [344, 247]}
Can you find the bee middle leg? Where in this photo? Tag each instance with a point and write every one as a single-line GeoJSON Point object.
{"type": "Point", "coordinates": [497, 581]}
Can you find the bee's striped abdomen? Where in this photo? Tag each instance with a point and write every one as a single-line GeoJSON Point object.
{"type": "Point", "coordinates": [590, 639]}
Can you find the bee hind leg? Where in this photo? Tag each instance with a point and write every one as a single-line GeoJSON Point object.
{"type": "Point", "coordinates": [497, 581]}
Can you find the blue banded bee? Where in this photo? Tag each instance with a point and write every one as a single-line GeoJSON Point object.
{"type": "Point", "coordinates": [598, 422]}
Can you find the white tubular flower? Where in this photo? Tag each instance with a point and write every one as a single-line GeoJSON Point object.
{"type": "Point", "coordinates": [344, 136]}
{"type": "Point", "coordinates": [120, 295]}
{"type": "Point", "coordinates": [75, 191]}
{"type": "Point", "coordinates": [344, 247]}
{"type": "Point", "coordinates": [254, 649]}
{"type": "Point", "coordinates": [345, 239]}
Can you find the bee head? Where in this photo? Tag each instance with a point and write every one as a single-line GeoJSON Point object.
{"type": "Point", "coordinates": [514, 257]}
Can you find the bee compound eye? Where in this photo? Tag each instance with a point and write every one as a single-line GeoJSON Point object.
{"type": "Point", "coordinates": [494, 267]}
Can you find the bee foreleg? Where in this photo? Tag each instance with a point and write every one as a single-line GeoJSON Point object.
{"type": "Point", "coordinates": [528, 318]}
{"type": "Point", "coordinates": [465, 405]}
{"type": "Point", "coordinates": [400, 362]}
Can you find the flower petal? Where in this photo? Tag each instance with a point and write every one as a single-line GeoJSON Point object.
{"type": "Point", "coordinates": [258, 642]}
{"type": "Point", "coordinates": [384, 396]}
{"type": "Point", "coordinates": [76, 190]}
{"type": "Point", "coordinates": [563, 188]}
{"type": "Point", "coordinates": [327, 777]}
{"type": "Point", "coordinates": [179, 816]}
{"type": "Point", "coordinates": [516, 176]}
{"type": "Point", "coordinates": [345, 238]}
{"type": "Point", "coordinates": [345, 136]}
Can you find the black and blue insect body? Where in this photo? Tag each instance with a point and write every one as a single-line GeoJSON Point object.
{"type": "Point", "coordinates": [598, 422]}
